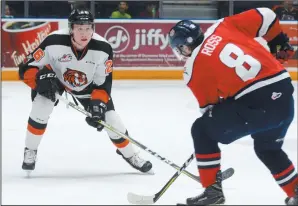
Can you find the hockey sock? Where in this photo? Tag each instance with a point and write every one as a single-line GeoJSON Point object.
{"type": "Point", "coordinates": [34, 134]}
{"type": "Point", "coordinates": [287, 180]}
{"type": "Point", "coordinates": [208, 165]}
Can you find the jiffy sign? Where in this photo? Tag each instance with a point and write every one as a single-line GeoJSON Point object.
{"type": "Point", "coordinates": [138, 44]}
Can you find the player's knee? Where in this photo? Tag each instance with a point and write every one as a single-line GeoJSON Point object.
{"type": "Point", "coordinates": [260, 153]}
{"type": "Point", "coordinates": [113, 119]}
{"type": "Point", "coordinates": [196, 129]}
{"type": "Point", "coordinates": [267, 149]}
{"type": "Point", "coordinates": [275, 159]}
{"type": "Point", "coordinates": [41, 109]}
{"type": "Point", "coordinates": [199, 133]}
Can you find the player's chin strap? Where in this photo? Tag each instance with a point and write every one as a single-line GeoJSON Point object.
{"type": "Point", "coordinates": [112, 129]}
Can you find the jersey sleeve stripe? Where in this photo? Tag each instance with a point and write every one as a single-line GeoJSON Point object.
{"type": "Point", "coordinates": [29, 77]}
{"type": "Point", "coordinates": [268, 17]}
{"type": "Point", "coordinates": [258, 32]}
{"type": "Point", "coordinates": [273, 31]}
{"type": "Point", "coordinates": [271, 25]}
{"type": "Point", "coordinates": [100, 94]}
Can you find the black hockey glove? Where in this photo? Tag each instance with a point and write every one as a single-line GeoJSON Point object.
{"type": "Point", "coordinates": [281, 48]}
{"type": "Point", "coordinates": [97, 109]}
{"type": "Point", "coordinates": [45, 83]}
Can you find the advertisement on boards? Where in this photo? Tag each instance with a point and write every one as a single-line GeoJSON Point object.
{"type": "Point", "coordinates": [135, 43]}
{"type": "Point", "coordinates": [19, 38]}
{"type": "Point", "coordinates": [140, 44]}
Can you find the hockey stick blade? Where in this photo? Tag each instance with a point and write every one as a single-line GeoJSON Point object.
{"type": "Point", "coordinates": [151, 199]}
{"type": "Point", "coordinates": [140, 199]}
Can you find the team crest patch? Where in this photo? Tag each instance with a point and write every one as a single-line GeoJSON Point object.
{"type": "Point", "coordinates": [65, 58]}
{"type": "Point", "coordinates": [75, 78]}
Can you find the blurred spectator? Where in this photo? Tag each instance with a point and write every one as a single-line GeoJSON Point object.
{"type": "Point", "coordinates": [150, 11]}
{"type": "Point", "coordinates": [286, 11]}
{"type": "Point", "coordinates": [8, 13]}
{"type": "Point", "coordinates": [121, 12]}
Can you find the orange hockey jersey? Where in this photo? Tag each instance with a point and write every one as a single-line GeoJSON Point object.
{"type": "Point", "coordinates": [229, 62]}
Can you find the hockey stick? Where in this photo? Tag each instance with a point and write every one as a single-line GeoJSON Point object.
{"type": "Point", "coordinates": [109, 127]}
{"type": "Point", "coordinates": [148, 200]}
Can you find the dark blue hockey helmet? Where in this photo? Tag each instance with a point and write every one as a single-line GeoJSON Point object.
{"type": "Point", "coordinates": [184, 37]}
{"type": "Point", "coordinates": [80, 16]}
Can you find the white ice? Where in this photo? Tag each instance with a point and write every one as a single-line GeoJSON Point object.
{"type": "Point", "coordinates": [77, 165]}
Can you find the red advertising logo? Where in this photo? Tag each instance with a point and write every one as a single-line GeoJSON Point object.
{"type": "Point", "coordinates": [118, 37]}
{"type": "Point", "coordinates": [20, 38]}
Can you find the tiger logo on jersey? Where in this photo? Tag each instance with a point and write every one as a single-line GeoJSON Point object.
{"type": "Point", "coordinates": [75, 78]}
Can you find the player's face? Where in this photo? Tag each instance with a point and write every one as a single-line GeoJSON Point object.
{"type": "Point", "coordinates": [123, 6]}
{"type": "Point", "coordinates": [82, 34]}
{"type": "Point", "coordinates": [182, 52]}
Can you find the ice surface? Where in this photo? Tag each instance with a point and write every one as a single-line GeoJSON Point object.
{"type": "Point", "coordinates": [77, 165]}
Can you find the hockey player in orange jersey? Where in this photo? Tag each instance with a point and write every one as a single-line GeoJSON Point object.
{"type": "Point", "coordinates": [241, 90]}
{"type": "Point", "coordinates": [78, 61]}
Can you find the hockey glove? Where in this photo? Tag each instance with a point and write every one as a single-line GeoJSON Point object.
{"type": "Point", "coordinates": [281, 48]}
{"type": "Point", "coordinates": [45, 83]}
{"type": "Point", "coordinates": [97, 109]}
{"type": "Point", "coordinates": [285, 53]}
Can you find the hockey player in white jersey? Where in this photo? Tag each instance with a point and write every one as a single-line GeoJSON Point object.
{"type": "Point", "coordinates": [78, 61]}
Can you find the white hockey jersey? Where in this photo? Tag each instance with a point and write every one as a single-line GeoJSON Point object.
{"type": "Point", "coordinates": [92, 68]}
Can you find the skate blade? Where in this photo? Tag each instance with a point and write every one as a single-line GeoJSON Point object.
{"type": "Point", "coordinates": [150, 172]}
{"type": "Point", "coordinates": [28, 173]}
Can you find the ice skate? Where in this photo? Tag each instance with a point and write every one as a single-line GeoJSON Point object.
{"type": "Point", "coordinates": [213, 195]}
{"type": "Point", "coordinates": [293, 200]}
{"type": "Point", "coordinates": [29, 160]}
{"type": "Point", "coordinates": [138, 163]}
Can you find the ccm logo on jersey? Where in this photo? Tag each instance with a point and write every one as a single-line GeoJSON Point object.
{"type": "Point", "coordinates": [211, 44]}
{"type": "Point", "coordinates": [49, 75]}
{"type": "Point", "coordinates": [75, 78]}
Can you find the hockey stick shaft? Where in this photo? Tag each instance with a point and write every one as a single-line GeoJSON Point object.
{"type": "Point", "coordinates": [109, 127]}
{"type": "Point", "coordinates": [173, 178]}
